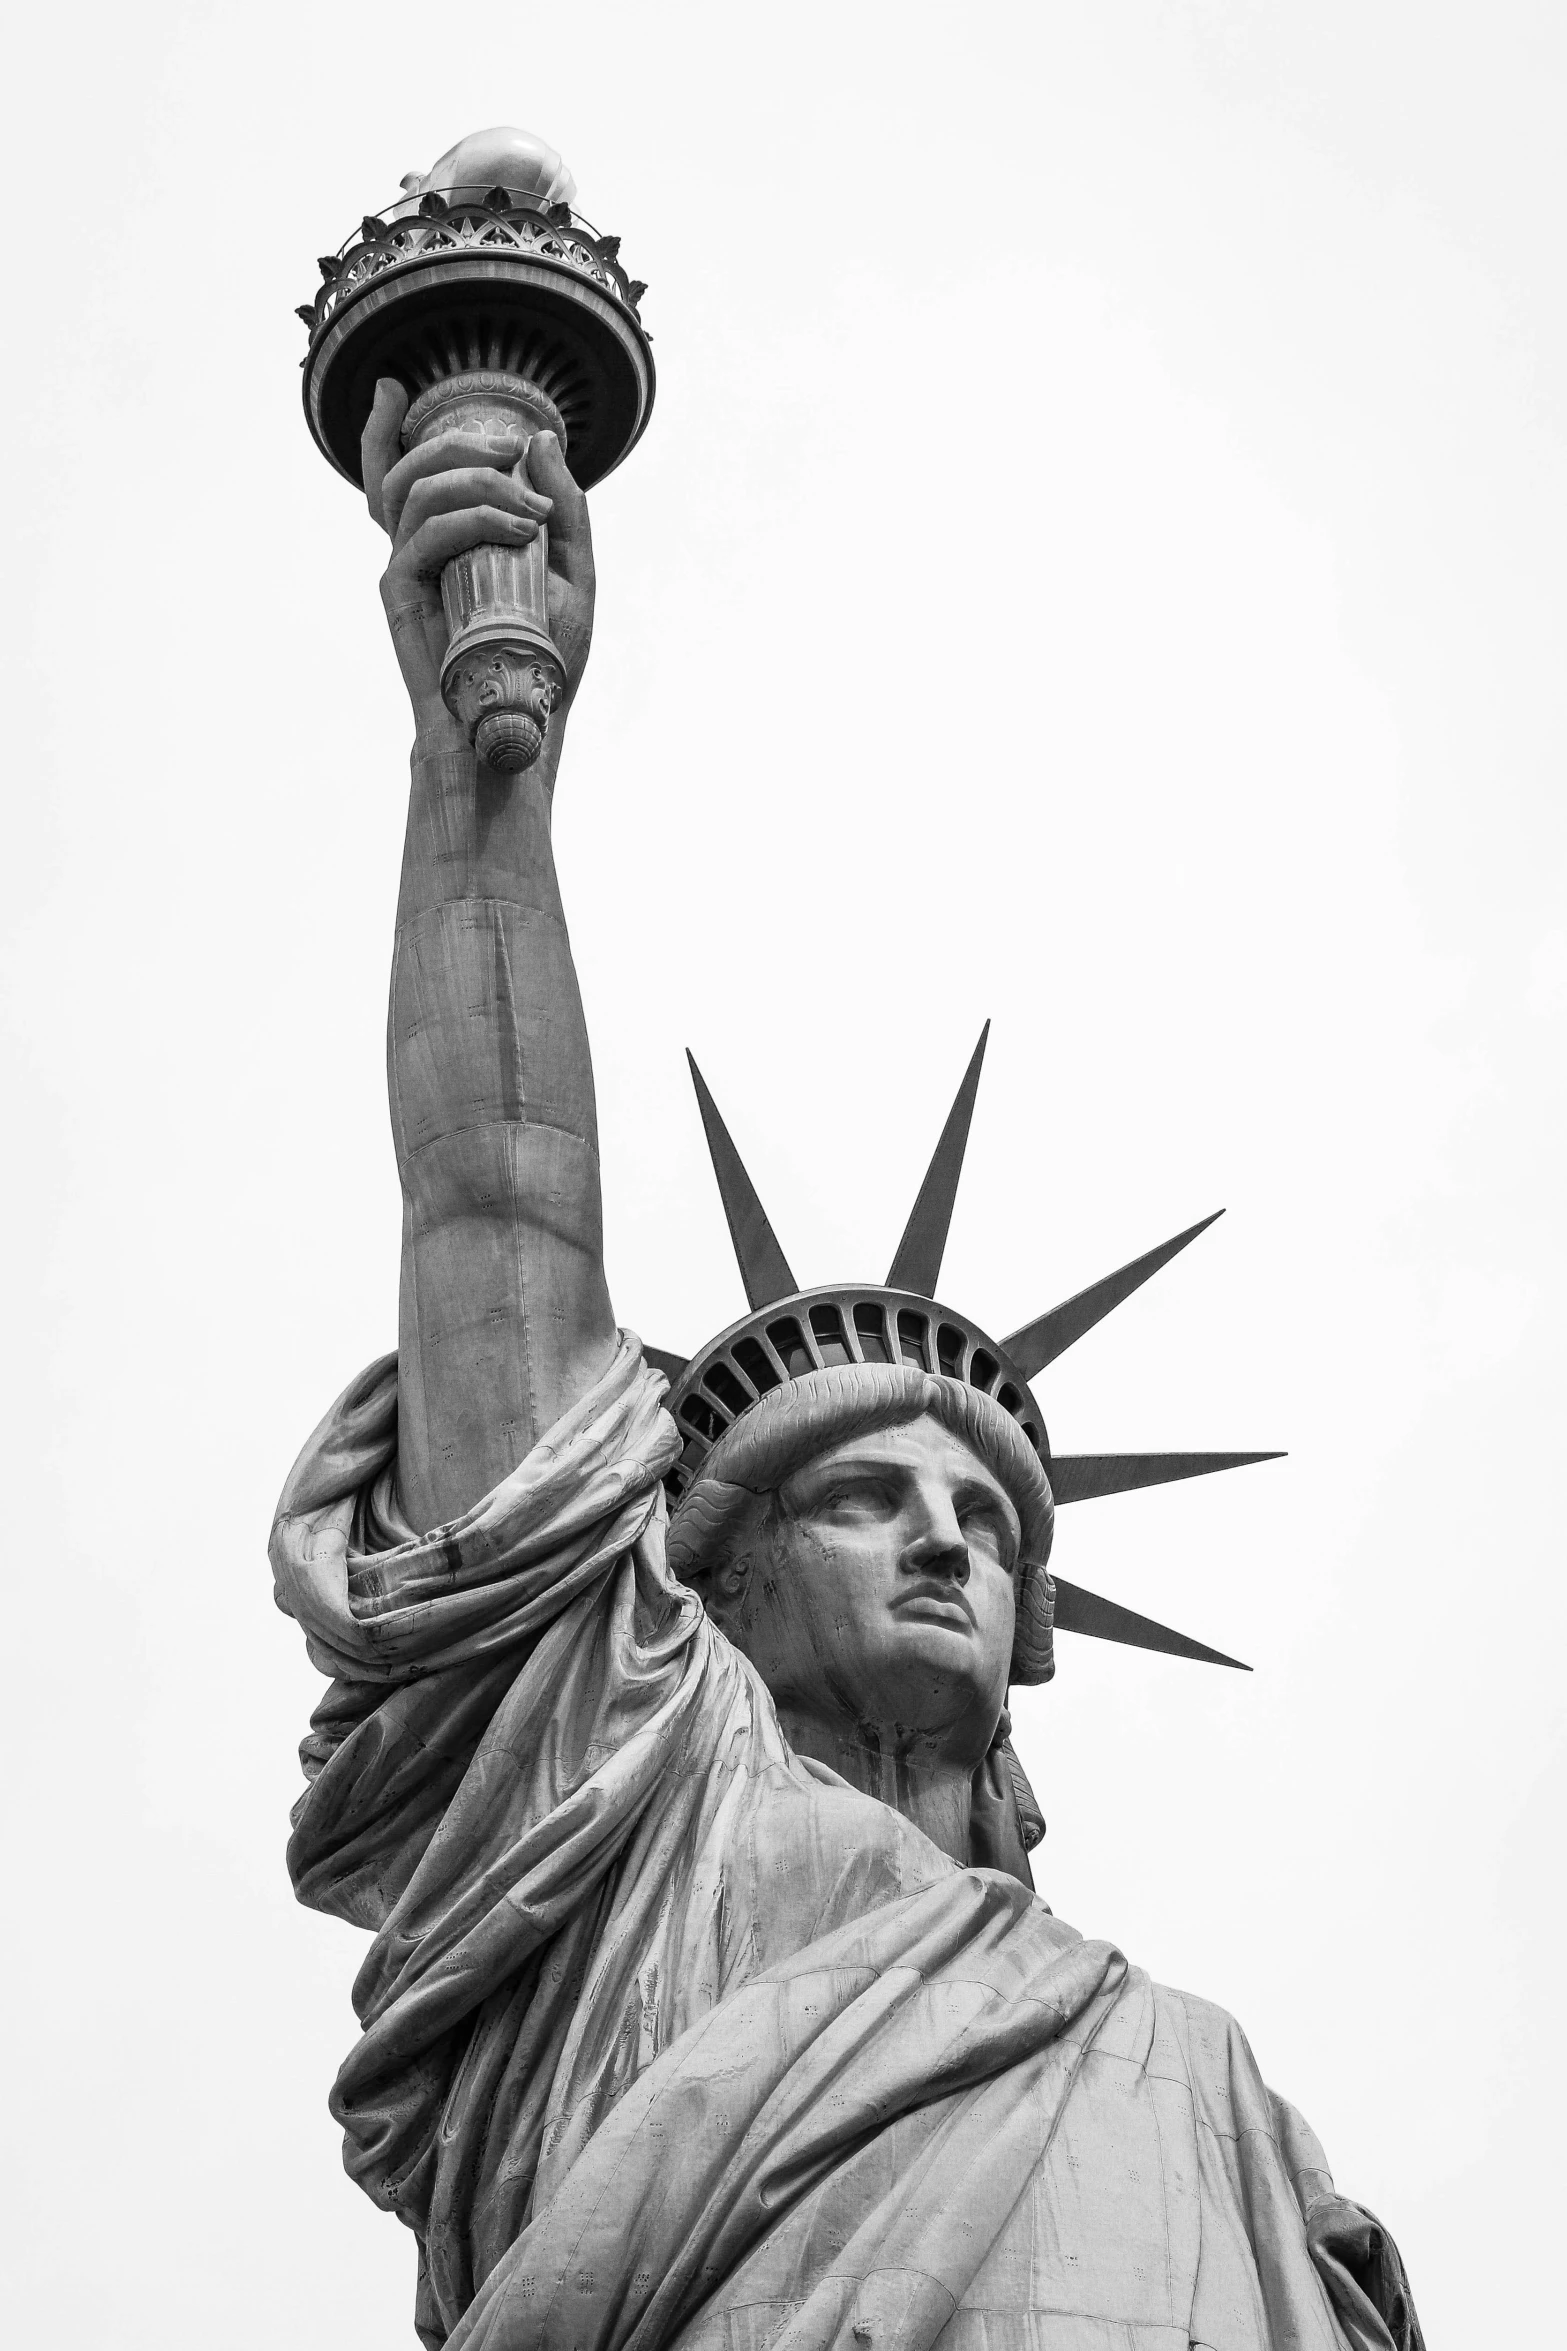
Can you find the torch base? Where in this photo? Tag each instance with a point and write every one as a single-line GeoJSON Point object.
{"type": "Point", "coordinates": [500, 680]}
{"type": "Point", "coordinates": [508, 741]}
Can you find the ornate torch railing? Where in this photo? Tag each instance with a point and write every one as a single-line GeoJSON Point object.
{"type": "Point", "coordinates": [499, 309]}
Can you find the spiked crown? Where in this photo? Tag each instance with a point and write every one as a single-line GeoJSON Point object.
{"type": "Point", "coordinates": [791, 1332]}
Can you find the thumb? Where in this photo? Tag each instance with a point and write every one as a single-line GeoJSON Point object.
{"type": "Point", "coordinates": [381, 443]}
{"type": "Point", "coordinates": [571, 546]}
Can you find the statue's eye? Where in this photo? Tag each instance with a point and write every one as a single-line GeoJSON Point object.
{"type": "Point", "coordinates": [982, 1521]}
{"type": "Point", "coordinates": [858, 1499]}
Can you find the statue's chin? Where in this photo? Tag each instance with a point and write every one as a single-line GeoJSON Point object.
{"type": "Point", "coordinates": [924, 1680]}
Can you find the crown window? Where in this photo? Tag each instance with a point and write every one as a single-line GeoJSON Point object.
{"type": "Point", "coordinates": [831, 1345]}
{"type": "Point", "coordinates": [757, 1364]}
{"type": "Point", "coordinates": [1009, 1399]}
{"type": "Point", "coordinates": [699, 1415]}
{"type": "Point", "coordinates": [720, 1381]}
{"type": "Point", "coordinates": [793, 1352]}
{"type": "Point", "coordinates": [871, 1329]}
{"type": "Point", "coordinates": [913, 1339]}
{"type": "Point", "coordinates": [983, 1369]}
{"type": "Point", "coordinates": [949, 1350]}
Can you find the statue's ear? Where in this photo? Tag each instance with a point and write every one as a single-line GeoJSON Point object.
{"type": "Point", "coordinates": [720, 1571]}
{"type": "Point", "coordinates": [724, 1588]}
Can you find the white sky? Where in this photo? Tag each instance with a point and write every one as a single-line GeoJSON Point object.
{"type": "Point", "coordinates": [1097, 561]}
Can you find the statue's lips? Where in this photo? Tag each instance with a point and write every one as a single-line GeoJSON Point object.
{"type": "Point", "coordinates": [942, 1604]}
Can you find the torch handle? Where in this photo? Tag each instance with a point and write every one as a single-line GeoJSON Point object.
{"type": "Point", "coordinates": [503, 674]}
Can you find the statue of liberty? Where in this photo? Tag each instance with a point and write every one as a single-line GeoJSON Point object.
{"type": "Point", "coordinates": [665, 1751]}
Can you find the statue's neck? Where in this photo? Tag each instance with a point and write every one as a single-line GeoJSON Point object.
{"type": "Point", "coordinates": [928, 1788]}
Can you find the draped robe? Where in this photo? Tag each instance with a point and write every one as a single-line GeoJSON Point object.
{"type": "Point", "coordinates": [670, 2037]}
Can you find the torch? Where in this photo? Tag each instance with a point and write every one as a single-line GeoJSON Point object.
{"type": "Point", "coordinates": [499, 310]}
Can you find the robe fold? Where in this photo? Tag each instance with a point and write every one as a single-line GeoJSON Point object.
{"type": "Point", "coordinates": [670, 2037]}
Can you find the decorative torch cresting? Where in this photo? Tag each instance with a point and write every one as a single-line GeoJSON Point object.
{"type": "Point", "coordinates": [500, 311]}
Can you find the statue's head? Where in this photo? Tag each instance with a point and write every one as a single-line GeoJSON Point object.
{"type": "Point", "coordinates": [865, 1491]}
{"type": "Point", "coordinates": [874, 1538]}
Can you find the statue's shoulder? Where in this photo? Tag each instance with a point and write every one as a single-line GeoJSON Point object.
{"type": "Point", "coordinates": [1205, 2025]}
{"type": "Point", "coordinates": [1212, 2054]}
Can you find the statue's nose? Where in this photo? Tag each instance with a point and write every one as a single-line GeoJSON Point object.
{"type": "Point", "coordinates": [939, 1549]}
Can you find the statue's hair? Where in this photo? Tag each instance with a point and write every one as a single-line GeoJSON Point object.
{"type": "Point", "coordinates": [808, 1416]}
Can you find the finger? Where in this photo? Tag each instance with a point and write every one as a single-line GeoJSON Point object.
{"type": "Point", "coordinates": [451, 452]}
{"type": "Point", "coordinates": [571, 536]}
{"type": "Point", "coordinates": [380, 442]}
{"type": "Point", "coordinates": [471, 485]}
{"type": "Point", "coordinates": [434, 544]}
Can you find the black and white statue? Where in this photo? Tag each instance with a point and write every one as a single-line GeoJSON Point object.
{"type": "Point", "coordinates": [665, 1749]}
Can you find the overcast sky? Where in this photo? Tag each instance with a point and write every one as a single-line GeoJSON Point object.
{"type": "Point", "coordinates": [1097, 561]}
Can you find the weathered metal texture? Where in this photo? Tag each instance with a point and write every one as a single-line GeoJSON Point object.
{"type": "Point", "coordinates": [743, 1963]}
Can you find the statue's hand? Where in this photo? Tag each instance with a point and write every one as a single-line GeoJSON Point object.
{"type": "Point", "coordinates": [458, 492]}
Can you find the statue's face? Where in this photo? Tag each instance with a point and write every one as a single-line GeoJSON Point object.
{"type": "Point", "coordinates": [881, 1591]}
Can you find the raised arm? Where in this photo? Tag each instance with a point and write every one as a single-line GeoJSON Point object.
{"type": "Point", "coordinates": [505, 1317]}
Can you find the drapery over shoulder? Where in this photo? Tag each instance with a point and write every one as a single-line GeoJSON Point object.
{"type": "Point", "coordinates": [557, 1795]}
{"type": "Point", "coordinates": [508, 1692]}
{"type": "Point", "coordinates": [672, 2037]}
{"type": "Point", "coordinates": [423, 1634]}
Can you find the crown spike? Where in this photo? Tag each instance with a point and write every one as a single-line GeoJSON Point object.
{"type": "Point", "coordinates": [1041, 1341]}
{"type": "Point", "coordinates": [763, 1267]}
{"type": "Point", "coordinates": [1085, 1477]}
{"type": "Point", "coordinates": [917, 1265]}
{"type": "Point", "coordinates": [1078, 1611]}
